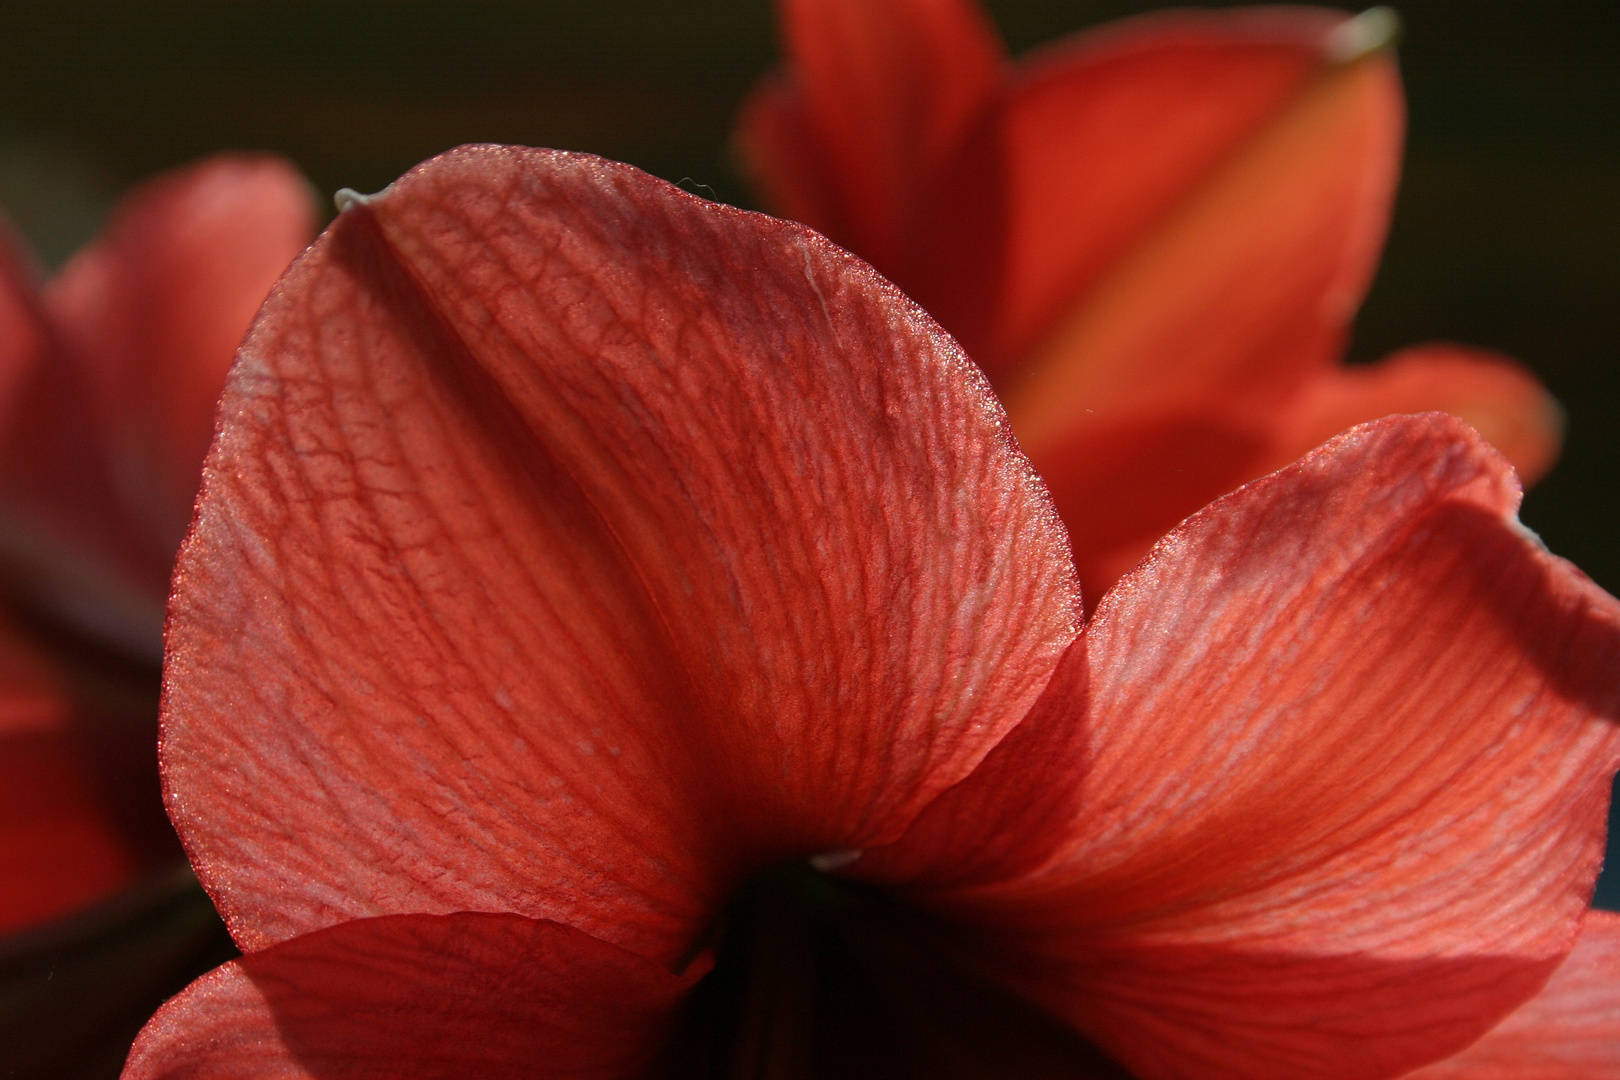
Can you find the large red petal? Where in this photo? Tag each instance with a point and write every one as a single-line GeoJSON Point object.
{"type": "Point", "coordinates": [153, 311]}
{"type": "Point", "coordinates": [572, 542]}
{"type": "Point", "coordinates": [1569, 1031]}
{"type": "Point", "coordinates": [1330, 798]}
{"type": "Point", "coordinates": [424, 996]}
{"type": "Point", "coordinates": [1247, 288]}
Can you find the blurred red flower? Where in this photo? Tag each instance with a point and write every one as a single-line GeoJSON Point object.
{"type": "Point", "coordinates": [575, 551]}
{"type": "Point", "coordinates": [109, 374]}
{"type": "Point", "coordinates": [1152, 236]}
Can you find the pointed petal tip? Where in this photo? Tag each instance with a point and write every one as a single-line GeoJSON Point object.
{"type": "Point", "coordinates": [344, 198]}
{"type": "Point", "coordinates": [1374, 29]}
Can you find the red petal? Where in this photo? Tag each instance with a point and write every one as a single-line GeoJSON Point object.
{"type": "Point", "coordinates": [1108, 133]}
{"type": "Point", "coordinates": [779, 149]}
{"type": "Point", "coordinates": [1123, 483]}
{"type": "Point", "coordinates": [1246, 290]}
{"type": "Point", "coordinates": [571, 545]}
{"type": "Point", "coordinates": [1569, 1031]}
{"type": "Point", "coordinates": [1498, 398]}
{"type": "Point", "coordinates": [153, 311]}
{"type": "Point", "coordinates": [1336, 779]}
{"type": "Point", "coordinates": [425, 996]}
{"type": "Point", "coordinates": [59, 847]}
{"type": "Point", "coordinates": [887, 90]}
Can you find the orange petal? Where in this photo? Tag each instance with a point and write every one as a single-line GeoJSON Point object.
{"type": "Point", "coordinates": [1495, 395]}
{"type": "Point", "coordinates": [450, 996]}
{"type": "Point", "coordinates": [1337, 777]}
{"type": "Point", "coordinates": [573, 545]}
{"type": "Point", "coordinates": [1247, 288]}
{"type": "Point", "coordinates": [1107, 133]}
{"type": "Point", "coordinates": [1569, 1031]}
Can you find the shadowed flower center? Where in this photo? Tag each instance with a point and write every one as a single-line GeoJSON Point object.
{"type": "Point", "coordinates": [820, 977]}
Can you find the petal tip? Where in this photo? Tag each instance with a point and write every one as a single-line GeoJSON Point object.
{"type": "Point", "coordinates": [1374, 29]}
{"type": "Point", "coordinates": [344, 198]}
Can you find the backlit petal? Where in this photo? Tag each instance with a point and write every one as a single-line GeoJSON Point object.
{"type": "Point", "coordinates": [1106, 134]}
{"type": "Point", "coordinates": [572, 543]}
{"type": "Point", "coordinates": [1247, 288]}
{"type": "Point", "coordinates": [1338, 775]}
{"type": "Point", "coordinates": [450, 996]}
{"type": "Point", "coordinates": [1569, 1031]}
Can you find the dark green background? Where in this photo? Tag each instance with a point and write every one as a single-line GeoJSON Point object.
{"type": "Point", "coordinates": [1507, 231]}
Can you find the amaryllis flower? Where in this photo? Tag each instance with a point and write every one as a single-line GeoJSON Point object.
{"type": "Point", "coordinates": [620, 637]}
{"type": "Point", "coordinates": [109, 374]}
{"type": "Point", "coordinates": [1152, 236]}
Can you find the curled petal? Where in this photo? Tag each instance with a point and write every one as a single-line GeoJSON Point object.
{"type": "Point", "coordinates": [574, 545]}
{"type": "Point", "coordinates": [1569, 1031]}
{"type": "Point", "coordinates": [427, 996]}
{"type": "Point", "coordinates": [1337, 777]}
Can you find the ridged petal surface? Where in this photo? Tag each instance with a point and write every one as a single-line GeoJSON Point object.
{"type": "Point", "coordinates": [573, 546]}
{"type": "Point", "coordinates": [1338, 758]}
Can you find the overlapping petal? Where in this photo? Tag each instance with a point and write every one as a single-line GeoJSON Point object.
{"type": "Point", "coordinates": [573, 545]}
{"type": "Point", "coordinates": [1333, 784]}
{"type": "Point", "coordinates": [1496, 396]}
{"type": "Point", "coordinates": [1248, 286]}
{"type": "Point", "coordinates": [1569, 1031]}
{"type": "Point", "coordinates": [1153, 239]}
{"type": "Point", "coordinates": [890, 93]}
{"type": "Point", "coordinates": [504, 996]}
